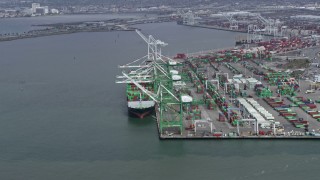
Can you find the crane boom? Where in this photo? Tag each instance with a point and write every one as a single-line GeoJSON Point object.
{"type": "Point", "coordinates": [149, 93]}
{"type": "Point", "coordinates": [142, 36]}
{"type": "Point", "coordinates": [152, 95]}
{"type": "Point", "coordinates": [151, 39]}
{"type": "Point", "coordinates": [233, 22]}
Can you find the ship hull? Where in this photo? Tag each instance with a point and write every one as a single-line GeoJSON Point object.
{"type": "Point", "coordinates": [140, 113]}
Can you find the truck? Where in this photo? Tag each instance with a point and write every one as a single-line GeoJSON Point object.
{"type": "Point", "coordinates": [310, 91]}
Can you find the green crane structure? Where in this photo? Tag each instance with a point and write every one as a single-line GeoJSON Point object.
{"type": "Point", "coordinates": [156, 69]}
{"type": "Point", "coordinates": [169, 105]}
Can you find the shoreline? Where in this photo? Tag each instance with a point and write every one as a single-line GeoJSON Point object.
{"type": "Point", "coordinates": [118, 24]}
{"type": "Point", "coordinates": [13, 38]}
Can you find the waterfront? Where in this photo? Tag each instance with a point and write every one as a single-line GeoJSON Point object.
{"type": "Point", "coordinates": [63, 117]}
{"type": "Point", "coordinates": [59, 25]}
{"type": "Point", "coordinates": [20, 25]}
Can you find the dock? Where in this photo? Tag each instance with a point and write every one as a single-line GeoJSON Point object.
{"type": "Point", "coordinates": [231, 93]}
{"type": "Point", "coordinates": [285, 129]}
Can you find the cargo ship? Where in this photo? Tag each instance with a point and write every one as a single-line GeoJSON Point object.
{"type": "Point", "coordinates": [140, 105]}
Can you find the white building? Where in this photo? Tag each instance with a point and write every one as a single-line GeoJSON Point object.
{"type": "Point", "coordinates": [46, 9]}
{"type": "Point", "coordinates": [34, 6]}
{"type": "Point", "coordinates": [27, 11]}
{"type": "Point", "coordinates": [317, 78]}
{"type": "Point", "coordinates": [54, 11]}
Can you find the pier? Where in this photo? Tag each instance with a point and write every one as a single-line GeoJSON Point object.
{"type": "Point", "coordinates": [229, 93]}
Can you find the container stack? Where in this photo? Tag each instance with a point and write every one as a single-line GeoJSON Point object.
{"type": "Point", "coordinates": [231, 68]}
{"type": "Point", "coordinates": [252, 68]}
{"type": "Point", "coordinates": [263, 92]}
{"type": "Point", "coordinates": [203, 77]}
{"type": "Point", "coordinates": [285, 111]}
{"type": "Point", "coordinates": [222, 117]}
{"type": "Point", "coordinates": [211, 104]}
{"type": "Point", "coordinates": [286, 90]}
{"type": "Point", "coordinates": [193, 77]}
{"type": "Point", "coordinates": [268, 116]}
{"type": "Point", "coordinates": [200, 88]}
{"type": "Point", "coordinates": [235, 59]}
{"type": "Point", "coordinates": [134, 93]}
{"type": "Point", "coordinates": [234, 118]}
{"type": "Point", "coordinates": [275, 103]}
{"type": "Point", "coordinates": [194, 113]}
{"type": "Point", "coordinates": [251, 83]}
{"type": "Point", "coordinates": [307, 106]}
{"type": "Point", "coordinates": [222, 80]}
{"type": "Point", "coordinates": [232, 91]}
{"type": "Point", "coordinates": [275, 77]}
{"type": "Point", "coordinates": [211, 87]}
{"type": "Point", "coordinates": [286, 44]}
{"type": "Point", "coordinates": [251, 110]}
{"type": "Point", "coordinates": [220, 102]}
{"type": "Point", "coordinates": [209, 101]}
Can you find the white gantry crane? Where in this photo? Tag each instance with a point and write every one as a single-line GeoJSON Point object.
{"type": "Point", "coordinates": [188, 18]}
{"type": "Point", "coordinates": [144, 70]}
{"type": "Point", "coordinates": [154, 46]}
{"type": "Point", "coordinates": [141, 75]}
{"type": "Point", "coordinates": [154, 52]}
{"type": "Point", "coordinates": [254, 33]}
{"type": "Point", "coordinates": [271, 25]}
{"type": "Point", "coordinates": [233, 22]}
{"type": "Point", "coordinates": [283, 30]}
{"type": "Point", "coordinates": [255, 127]}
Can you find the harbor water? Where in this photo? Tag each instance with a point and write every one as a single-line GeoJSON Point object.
{"type": "Point", "coordinates": [63, 117]}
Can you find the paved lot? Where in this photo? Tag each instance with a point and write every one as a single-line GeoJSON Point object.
{"type": "Point", "coordinates": [211, 116]}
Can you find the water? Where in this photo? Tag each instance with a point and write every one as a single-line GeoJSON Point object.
{"type": "Point", "coordinates": [62, 116]}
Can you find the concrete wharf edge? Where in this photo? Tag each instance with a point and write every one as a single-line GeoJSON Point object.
{"type": "Point", "coordinates": [161, 137]}
{"type": "Point", "coordinates": [176, 137]}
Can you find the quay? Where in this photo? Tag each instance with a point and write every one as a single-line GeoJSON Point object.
{"type": "Point", "coordinates": [233, 93]}
{"type": "Point", "coordinates": [202, 69]}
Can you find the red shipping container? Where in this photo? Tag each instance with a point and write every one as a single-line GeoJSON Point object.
{"type": "Point", "coordinates": [312, 106]}
{"type": "Point", "coordinates": [304, 122]}
{"type": "Point", "coordinates": [288, 114]}
{"type": "Point", "coordinates": [293, 120]}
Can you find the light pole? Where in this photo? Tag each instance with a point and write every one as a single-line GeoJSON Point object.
{"type": "Point", "coordinates": [260, 78]}
{"type": "Point", "coordinates": [280, 95]}
{"type": "Point", "coordinates": [245, 72]}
